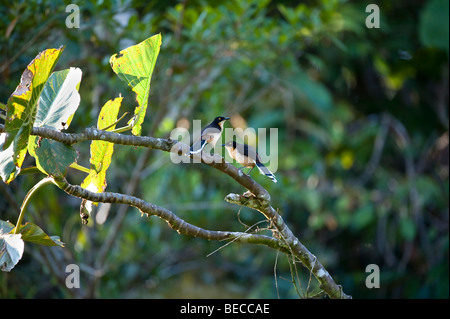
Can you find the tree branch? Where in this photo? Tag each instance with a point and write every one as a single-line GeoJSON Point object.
{"type": "Point", "coordinates": [296, 248]}
{"type": "Point", "coordinates": [258, 200]}
{"type": "Point", "coordinates": [166, 145]}
{"type": "Point", "coordinates": [174, 222]}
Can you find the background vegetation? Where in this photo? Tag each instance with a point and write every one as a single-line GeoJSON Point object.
{"type": "Point", "coordinates": [363, 142]}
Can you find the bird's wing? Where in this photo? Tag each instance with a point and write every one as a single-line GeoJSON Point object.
{"type": "Point", "coordinates": [211, 135]}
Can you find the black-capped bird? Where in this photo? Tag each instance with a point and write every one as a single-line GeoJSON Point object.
{"type": "Point", "coordinates": [248, 157]}
{"type": "Point", "coordinates": [209, 135]}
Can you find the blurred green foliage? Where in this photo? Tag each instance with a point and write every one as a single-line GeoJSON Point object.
{"type": "Point", "coordinates": [363, 145]}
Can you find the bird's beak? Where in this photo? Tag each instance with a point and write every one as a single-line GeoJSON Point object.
{"type": "Point", "coordinates": [226, 118]}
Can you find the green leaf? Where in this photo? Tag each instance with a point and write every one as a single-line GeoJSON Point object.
{"type": "Point", "coordinates": [11, 250]}
{"type": "Point", "coordinates": [22, 105]}
{"type": "Point", "coordinates": [5, 227]}
{"type": "Point", "coordinates": [434, 25]}
{"type": "Point", "coordinates": [34, 234]}
{"type": "Point", "coordinates": [101, 151]}
{"type": "Point", "coordinates": [57, 104]}
{"type": "Point", "coordinates": [59, 99]}
{"type": "Point", "coordinates": [52, 157]}
{"type": "Point", "coordinates": [135, 66]}
{"type": "Point", "coordinates": [8, 170]}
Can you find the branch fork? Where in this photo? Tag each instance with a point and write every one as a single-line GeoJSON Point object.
{"type": "Point", "coordinates": [256, 198]}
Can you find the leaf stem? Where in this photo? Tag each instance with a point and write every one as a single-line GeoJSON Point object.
{"type": "Point", "coordinates": [79, 167]}
{"type": "Point", "coordinates": [122, 129]}
{"type": "Point", "coordinates": [27, 199]}
{"type": "Point", "coordinates": [130, 125]}
{"type": "Point", "coordinates": [30, 170]}
{"type": "Point", "coordinates": [113, 124]}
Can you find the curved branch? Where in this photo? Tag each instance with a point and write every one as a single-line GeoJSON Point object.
{"type": "Point", "coordinates": [174, 222]}
{"type": "Point", "coordinates": [162, 144]}
{"type": "Point", "coordinates": [296, 248]}
{"type": "Point", "coordinates": [259, 200]}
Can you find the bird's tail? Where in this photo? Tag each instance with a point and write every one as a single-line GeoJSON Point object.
{"type": "Point", "coordinates": [265, 171]}
{"type": "Point", "coordinates": [197, 147]}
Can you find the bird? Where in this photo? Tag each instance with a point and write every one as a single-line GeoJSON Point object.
{"type": "Point", "coordinates": [210, 135]}
{"type": "Point", "coordinates": [248, 157]}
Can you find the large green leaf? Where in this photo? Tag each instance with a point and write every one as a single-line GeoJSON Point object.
{"type": "Point", "coordinates": [11, 250]}
{"type": "Point", "coordinates": [59, 99]}
{"type": "Point", "coordinates": [135, 65]}
{"type": "Point", "coordinates": [58, 102]}
{"type": "Point", "coordinates": [8, 170]}
{"type": "Point", "coordinates": [12, 245]}
{"type": "Point", "coordinates": [34, 234]}
{"type": "Point", "coordinates": [22, 105]}
{"type": "Point", "coordinates": [52, 157]}
{"type": "Point", "coordinates": [101, 151]}
{"type": "Point", "coordinates": [5, 227]}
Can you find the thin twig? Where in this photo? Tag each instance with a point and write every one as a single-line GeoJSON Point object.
{"type": "Point", "coordinates": [231, 241]}
{"type": "Point", "coordinates": [275, 274]}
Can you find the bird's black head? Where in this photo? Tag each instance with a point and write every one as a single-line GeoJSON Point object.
{"type": "Point", "coordinates": [220, 119]}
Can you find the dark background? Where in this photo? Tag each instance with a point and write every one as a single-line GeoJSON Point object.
{"type": "Point", "coordinates": [362, 118]}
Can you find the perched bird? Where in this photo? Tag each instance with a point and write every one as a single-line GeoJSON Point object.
{"type": "Point", "coordinates": [209, 135]}
{"type": "Point", "coordinates": [248, 157]}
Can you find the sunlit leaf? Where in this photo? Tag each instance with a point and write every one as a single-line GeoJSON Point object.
{"type": "Point", "coordinates": [34, 234]}
{"type": "Point", "coordinates": [22, 105]}
{"type": "Point", "coordinates": [8, 170]}
{"type": "Point", "coordinates": [5, 227]}
{"type": "Point", "coordinates": [135, 66]}
{"type": "Point", "coordinates": [101, 151]}
{"type": "Point", "coordinates": [59, 100]}
{"type": "Point", "coordinates": [11, 250]}
{"type": "Point", "coordinates": [347, 159]}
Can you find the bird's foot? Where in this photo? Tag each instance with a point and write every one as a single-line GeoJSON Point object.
{"type": "Point", "coordinates": [248, 194]}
